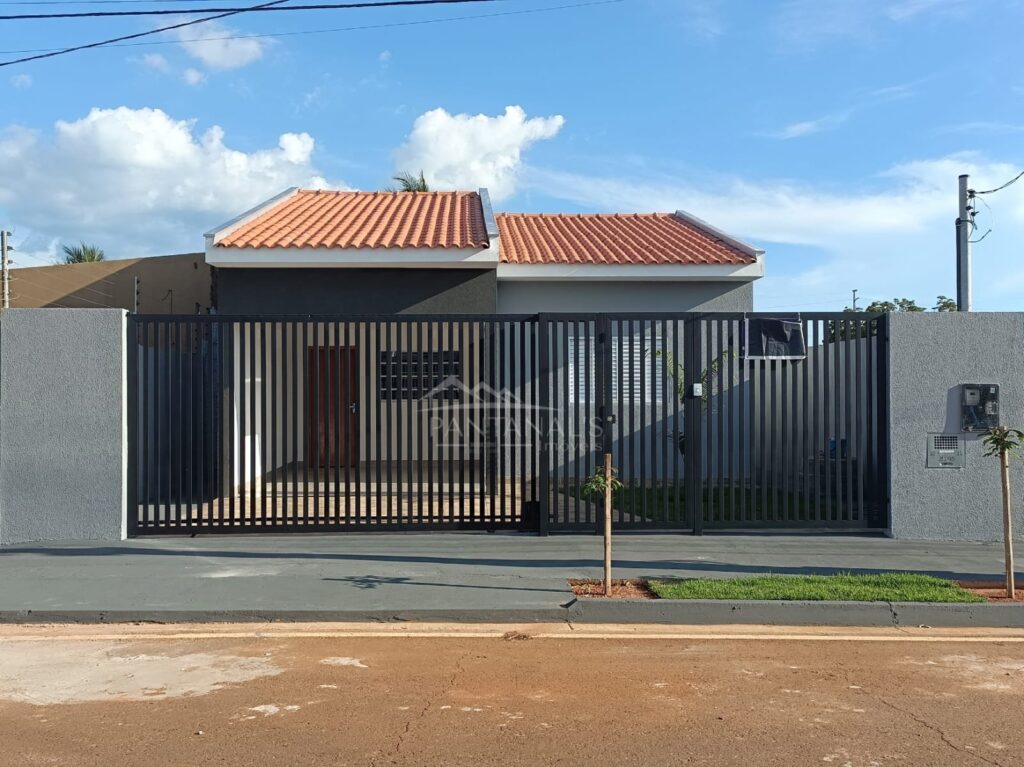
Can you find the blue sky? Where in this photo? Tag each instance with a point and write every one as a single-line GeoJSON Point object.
{"type": "Point", "coordinates": [829, 132]}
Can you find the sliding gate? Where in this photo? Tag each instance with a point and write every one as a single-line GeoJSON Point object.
{"type": "Point", "coordinates": [501, 422]}
{"type": "Point", "coordinates": [331, 423]}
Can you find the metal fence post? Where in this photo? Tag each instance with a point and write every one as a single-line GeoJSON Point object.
{"type": "Point", "coordinates": [693, 420]}
{"type": "Point", "coordinates": [131, 415]}
{"type": "Point", "coordinates": [544, 423]}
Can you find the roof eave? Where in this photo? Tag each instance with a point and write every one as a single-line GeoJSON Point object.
{"type": "Point", "coordinates": [703, 225]}
{"type": "Point", "coordinates": [227, 227]}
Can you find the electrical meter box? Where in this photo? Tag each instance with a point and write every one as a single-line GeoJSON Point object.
{"type": "Point", "coordinates": [979, 407]}
{"type": "Point", "coordinates": [946, 451]}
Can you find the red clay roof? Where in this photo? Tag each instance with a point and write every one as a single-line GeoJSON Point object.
{"type": "Point", "coordinates": [632, 238]}
{"type": "Point", "coordinates": [322, 219]}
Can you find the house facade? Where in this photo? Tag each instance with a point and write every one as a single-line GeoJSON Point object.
{"type": "Point", "coordinates": [369, 257]}
{"type": "Point", "coordinates": [322, 252]}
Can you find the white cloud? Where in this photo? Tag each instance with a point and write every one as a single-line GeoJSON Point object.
{"type": "Point", "coordinates": [910, 9]}
{"type": "Point", "coordinates": [890, 234]}
{"type": "Point", "coordinates": [860, 102]}
{"type": "Point", "coordinates": [193, 76]}
{"type": "Point", "coordinates": [704, 18]}
{"type": "Point", "coordinates": [213, 48]}
{"type": "Point", "coordinates": [810, 127]}
{"type": "Point", "coordinates": [156, 61]}
{"type": "Point", "coordinates": [384, 57]}
{"type": "Point", "coordinates": [21, 81]}
{"type": "Point", "coordinates": [987, 127]}
{"type": "Point", "coordinates": [137, 181]}
{"type": "Point", "coordinates": [809, 24]}
{"type": "Point", "coordinates": [469, 151]}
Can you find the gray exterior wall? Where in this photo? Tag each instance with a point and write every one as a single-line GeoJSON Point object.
{"type": "Point", "coordinates": [530, 297]}
{"type": "Point", "coordinates": [63, 432]}
{"type": "Point", "coordinates": [356, 291]}
{"type": "Point", "coordinates": [930, 356]}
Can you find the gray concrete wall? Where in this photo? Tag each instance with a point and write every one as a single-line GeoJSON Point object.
{"type": "Point", "coordinates": [63, 446]}
{"type": "Point", "coordinates": [356, 291]}
{"type": "Point", "coordinates": [530, 297]}
{"type": "Point", "coordinates": [930, 356]}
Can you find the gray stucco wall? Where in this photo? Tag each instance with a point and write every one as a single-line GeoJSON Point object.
{"type": "Point", "coordinates": [62, 428]}
{"type": "Point", "coordinates": [529, 297]}
{"type": "Point", "coordinates": [930, 356]}
{"type": "Point", "coordinates": [356, 291]}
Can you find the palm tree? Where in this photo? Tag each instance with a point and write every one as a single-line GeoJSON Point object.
{"type": "Point", "coordinates": [407, 182]}
{"type": "Point", "coordinates": [81, 253]}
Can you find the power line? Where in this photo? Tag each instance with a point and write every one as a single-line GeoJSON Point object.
{"type": "Point", "coordinates": [259, 8]}
{"type": "Point", "coordinates": [1013, 180]}
{"type": "Point", "coordinates": [98, 2]}
{"type": "Point", "coordinates": [75, 48]}
{"type": "Point", "coordinates": [359, 28]}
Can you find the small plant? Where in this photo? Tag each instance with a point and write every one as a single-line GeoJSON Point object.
{"type": "Point", "coordinates": [596, 485]}
{"type": "Point", "coordinates": [1001, 442]}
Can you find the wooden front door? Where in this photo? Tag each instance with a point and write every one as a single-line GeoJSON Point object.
{"type": "Point", "coordinates": [333, 394]}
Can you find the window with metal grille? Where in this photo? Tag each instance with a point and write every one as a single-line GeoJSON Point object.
{"type": "Point", "coordinates": [637, 356]}
{"type": "Point", "coordinates": [415, 375]}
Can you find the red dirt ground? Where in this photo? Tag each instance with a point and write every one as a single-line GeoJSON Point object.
{"type": "Point", "coordinates": [621, 589]}
{"type": "Point", "coordinates": [993, 591]}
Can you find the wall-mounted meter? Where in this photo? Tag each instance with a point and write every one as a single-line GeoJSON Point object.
{"type": "Point", "coordinates": [979, 407]}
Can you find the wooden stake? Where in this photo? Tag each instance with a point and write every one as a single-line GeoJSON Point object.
{"type": "Point", "coordinates": [607, 524]}
{"type": "Point", "coordinates": [1004, 466]}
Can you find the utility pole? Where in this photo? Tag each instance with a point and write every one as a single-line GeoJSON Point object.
{"type": "Point", "coordinates": [964, 225]}
{"type": "Point", "coordinates": [5, 268]}
{"type": "Point", "coordinates": [854, 307]}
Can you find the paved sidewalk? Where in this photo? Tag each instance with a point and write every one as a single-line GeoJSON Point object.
{"type": "Point", "coordinates": [441, 576]}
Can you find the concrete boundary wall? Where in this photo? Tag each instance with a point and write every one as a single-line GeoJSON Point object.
{"type": "Point", "coordinates": [930, 356]}
{"type": "Point", "coordinates": [63, 430]}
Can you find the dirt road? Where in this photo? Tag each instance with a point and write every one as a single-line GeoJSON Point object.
{"type": "Point", "coordinates": [342, 695]}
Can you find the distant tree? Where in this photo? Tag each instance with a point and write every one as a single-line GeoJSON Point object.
{"type": "Point", "coordinates": [81, 253]}
{"type": "Point", "coordinates": [408, 182]}
{"type": "Point", "coordinates": [942, 304]}
{"type": "Point", "coordinates": [896, 305]}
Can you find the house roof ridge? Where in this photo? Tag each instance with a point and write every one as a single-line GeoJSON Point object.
{"type": "Point", "coordinates": [616, 239]}
{"type": "Point", "coordinates": [325, 218]}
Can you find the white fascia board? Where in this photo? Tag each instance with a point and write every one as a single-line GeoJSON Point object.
{"type": "Point", "coordinates": [218, 232]}
{"type": "Point", "coordinates": [353, 258]}
{"type": "Point", "coordinates": [631, 272]}
{"type": "Point", "coordinates": [700, 223]}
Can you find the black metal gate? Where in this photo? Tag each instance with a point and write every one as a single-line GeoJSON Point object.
{"type": "Point", "coordinates": [498, 422]}
{"type": "Point", "coordinates": [772, 442]}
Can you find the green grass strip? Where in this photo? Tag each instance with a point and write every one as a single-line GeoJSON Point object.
{"type": "Point", "coordinates": [846, 587]}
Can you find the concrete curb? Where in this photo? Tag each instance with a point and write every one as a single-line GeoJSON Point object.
{"type": "Point", "coordinates": [540, 615]}
{"type": "Point", "coordinates": [710, 612]}
{"type": "Point", "coordinates": [683, 612]}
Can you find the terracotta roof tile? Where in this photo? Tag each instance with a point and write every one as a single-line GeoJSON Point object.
{"type": "Point", "coordinates": [322, 219]}
{"type": "Point", "coordinates": [634, 238]}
